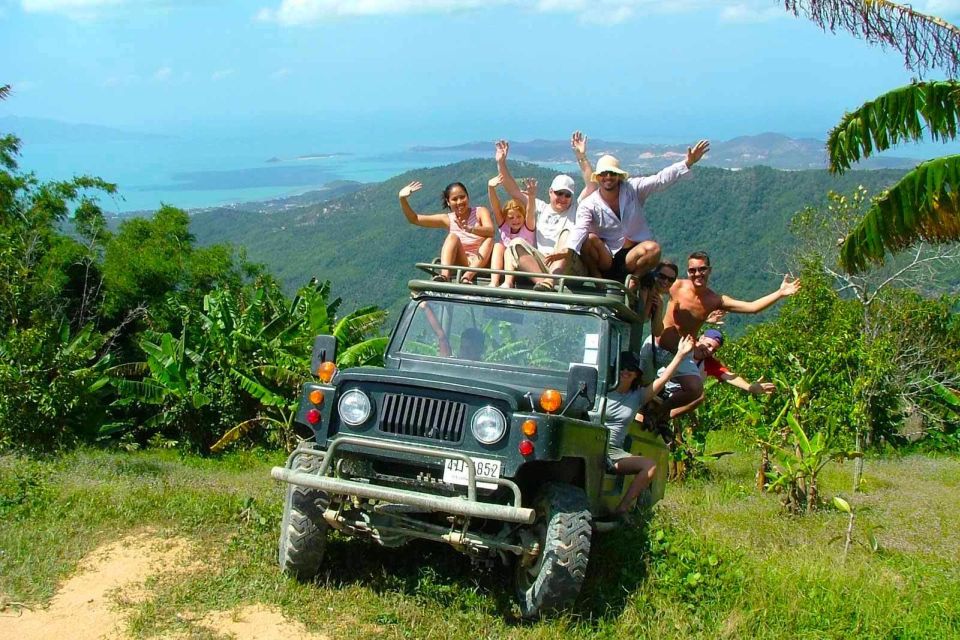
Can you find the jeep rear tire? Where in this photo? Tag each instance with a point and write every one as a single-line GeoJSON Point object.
{"type": "Point", "coordinates": [303, 532]}
{"type": "Point", "coordinates": [562, 528]}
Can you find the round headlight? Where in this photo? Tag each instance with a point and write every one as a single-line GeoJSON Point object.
{"type": "Point", "coordinates": [354, 407]}
{"type": "Point", "coordinates": [488, 425]}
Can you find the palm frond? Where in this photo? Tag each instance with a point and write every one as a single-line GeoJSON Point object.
{"type": "Point", "coordinates": [368, 352]}
{"type": "Point", "coordinates": [235, 433]}
{"type": "Point", "coordinates": [356, 325]}
{"type": "Point", "coordinates": [129, 369]}
{"type": "Point", "coordinates": [146, 391]}
{"type": "Point", "coordinates": [923, 205]}
{"type": "Point", "coordinates": [926, 42]}
{"type": "Point", "coordinates": [261, 393]}
{"type": "Point", "coordinates": [907, 113]}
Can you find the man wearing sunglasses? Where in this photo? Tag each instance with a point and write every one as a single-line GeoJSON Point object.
{"type": "Point", "coordinates": [554, 219]}
{"type": "Point", "coordinates": [692, 301]}
{"type": "Point", "coordinates": [704, 356]}
{"type": "Point", "coordinates": [611, 234]}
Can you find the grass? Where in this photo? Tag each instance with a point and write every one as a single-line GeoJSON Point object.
{"type": "Point", "coordinates": [716, 561]}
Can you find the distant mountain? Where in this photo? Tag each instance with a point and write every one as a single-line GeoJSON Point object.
{"type": "Point", "coordinates": [43, 130]}
{"type": "Point", "coordinates": [767, 149]}
{"type": "Point", "coordinates": [362, 242]}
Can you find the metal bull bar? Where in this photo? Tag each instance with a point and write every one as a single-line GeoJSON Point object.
{"type": "Point", "coordinates": [468, 506]}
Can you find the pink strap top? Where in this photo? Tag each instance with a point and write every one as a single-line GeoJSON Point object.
{"type": "Point", "coordinates": [507, 235]}
{"type": "Point", "coordinates": [469, 241]}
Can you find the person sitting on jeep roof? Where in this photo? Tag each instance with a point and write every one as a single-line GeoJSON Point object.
{"type": "Point", "coordinates": [622, 405]}
{"type": "Point", "coordinates": [470, 241]}
{"type": "Point", "coordinates": [555, 219]}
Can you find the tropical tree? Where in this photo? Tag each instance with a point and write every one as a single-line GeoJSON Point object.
{"type": "Point", "coordinates": [924, 204]}
{"type": "Point", "coordinates": [239, 362]}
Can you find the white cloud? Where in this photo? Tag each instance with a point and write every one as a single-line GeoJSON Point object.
{"type": "Point", "coordinates": [163, 74]}
{"type": "Point", "coordinates": [220, 74]}
{"type": "Point", "coordinates": [751, 13]}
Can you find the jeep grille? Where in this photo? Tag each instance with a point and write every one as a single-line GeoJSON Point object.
{"type": "Point", "coordinates": [423, 417]}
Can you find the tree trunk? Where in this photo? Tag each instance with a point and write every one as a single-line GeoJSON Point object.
{"type": "Point", "coordinates": [858, 463]}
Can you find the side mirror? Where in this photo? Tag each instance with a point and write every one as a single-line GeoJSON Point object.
{"type": "Point", "coordinates": [324, 350]}
{"type": "Point", "coordinates": [581, 389]}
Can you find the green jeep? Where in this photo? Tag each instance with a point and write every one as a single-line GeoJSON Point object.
{"type": "Point", "coordinates": [484, 430]}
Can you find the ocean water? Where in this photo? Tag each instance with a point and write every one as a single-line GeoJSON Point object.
{"type": "Point", "coordinates": [207, 170]}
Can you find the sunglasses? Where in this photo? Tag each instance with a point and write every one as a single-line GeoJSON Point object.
{"type": "Point", "coordinates": [563, 194]}
{"type": "Point", "coordinates": [695, 271]}
{"type": "Point", "coordinates": [608, 174]}
{"type": "Point", "coordinates": [666, 278]}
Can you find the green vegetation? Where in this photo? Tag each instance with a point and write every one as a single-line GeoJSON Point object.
{"type": "Point", "coordinates": [137, 335]}
{"type": "Point", "coordinates": [362, 242]}
{"type": "Point", "coordinates": [716, 560]}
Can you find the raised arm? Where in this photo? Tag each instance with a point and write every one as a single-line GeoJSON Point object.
{"type": "Point", "coordinates": [788, 287]}
{"type": "Point", "coordinates": [531, 194]}
{"type": "Point", "coordinates": [683, 348]}
{"type": "Point", "coordinates": [502, 150]}
{"type": "Point", "coordinates": [495, 207]}
{"type": "Point", "coordinates": [756, 388]}
{"type": "Point", "coordinates": [435, 220]}
{"type": "Point", "coordinates": [669, 175]}
{"type": "Point", "coordinates": [443, 344]}
{"type": "Point", "coordinates": [578, 142]}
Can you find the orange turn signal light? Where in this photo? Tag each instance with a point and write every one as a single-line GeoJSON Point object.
{"type": "Point", "coordinates": [529, 428]}
{"type": "Point", "coordinates": [550, 400]}
{"type": "Point", "coordinates": [316, 397]}
{"type": "Point", "coordinates": [325, 371]}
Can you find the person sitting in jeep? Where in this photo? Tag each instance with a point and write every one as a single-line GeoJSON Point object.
{"type": "Point", "coordinates": [622, 405]}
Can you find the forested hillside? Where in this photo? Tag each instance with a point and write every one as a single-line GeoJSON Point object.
{"type": "Point", "coordinates": [362, 242]}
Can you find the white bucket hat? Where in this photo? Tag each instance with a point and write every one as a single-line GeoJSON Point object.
{"type": "Point", "coordinates": [609, 163]}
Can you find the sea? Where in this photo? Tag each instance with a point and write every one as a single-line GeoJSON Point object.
{"type": "Point", "coordinates": [197, 168]}
{"type": "Point", "coordinates": [204, 171]}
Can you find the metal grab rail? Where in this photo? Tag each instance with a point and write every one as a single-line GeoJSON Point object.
{"type": "Point", "coordinates": [629, 296]}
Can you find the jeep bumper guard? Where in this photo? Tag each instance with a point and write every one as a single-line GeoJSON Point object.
{"type": "Point", "coordinates": [466, 506]}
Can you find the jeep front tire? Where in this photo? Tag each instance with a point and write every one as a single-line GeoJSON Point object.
{"type": "Point", "coordinates": [303, 532]}
{"type": "Point", "coordinates": [562, 529]}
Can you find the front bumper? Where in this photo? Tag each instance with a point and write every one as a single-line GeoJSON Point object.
{"type": "Point", "coordinates": [465, 506]}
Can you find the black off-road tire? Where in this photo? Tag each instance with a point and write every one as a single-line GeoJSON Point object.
{"type": "Point", "coordinates": [303, 531]}
{"type": "Point", "coordinates": [563, 530]}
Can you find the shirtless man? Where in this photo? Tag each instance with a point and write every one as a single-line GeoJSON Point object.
{"type": "Point", "coordinates": [691, 301]}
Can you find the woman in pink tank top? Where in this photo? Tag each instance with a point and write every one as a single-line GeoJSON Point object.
{"type": "Point", "coordinates": [517, 221]}
{"type": "Point", "coordinates": [469, 242]}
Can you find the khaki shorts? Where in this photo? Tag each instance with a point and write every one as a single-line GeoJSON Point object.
{"type": "Point", "coordinates": [574, 266]}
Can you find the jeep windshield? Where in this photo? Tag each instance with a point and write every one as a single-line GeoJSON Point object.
{"type": "Point", "coordinates": [502, 336]}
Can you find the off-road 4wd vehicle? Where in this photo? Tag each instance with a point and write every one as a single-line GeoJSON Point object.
{"type": "Point", "coordinates": [484, 430]}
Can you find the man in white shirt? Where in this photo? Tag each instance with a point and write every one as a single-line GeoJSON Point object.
{"type": "Point", "coordinates": [554, 219]}
{"type": "Point", "coordinates": [611, 232]}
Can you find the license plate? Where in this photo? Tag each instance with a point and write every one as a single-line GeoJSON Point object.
{"type": "Point", "coordinates": [455, 471]}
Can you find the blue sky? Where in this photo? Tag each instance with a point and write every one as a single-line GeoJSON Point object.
{"type": "Point", "coordinates": [441, 70]}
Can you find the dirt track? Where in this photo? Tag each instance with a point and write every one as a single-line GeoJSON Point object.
{"type": "Point", "coordinates": [88, 606]}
